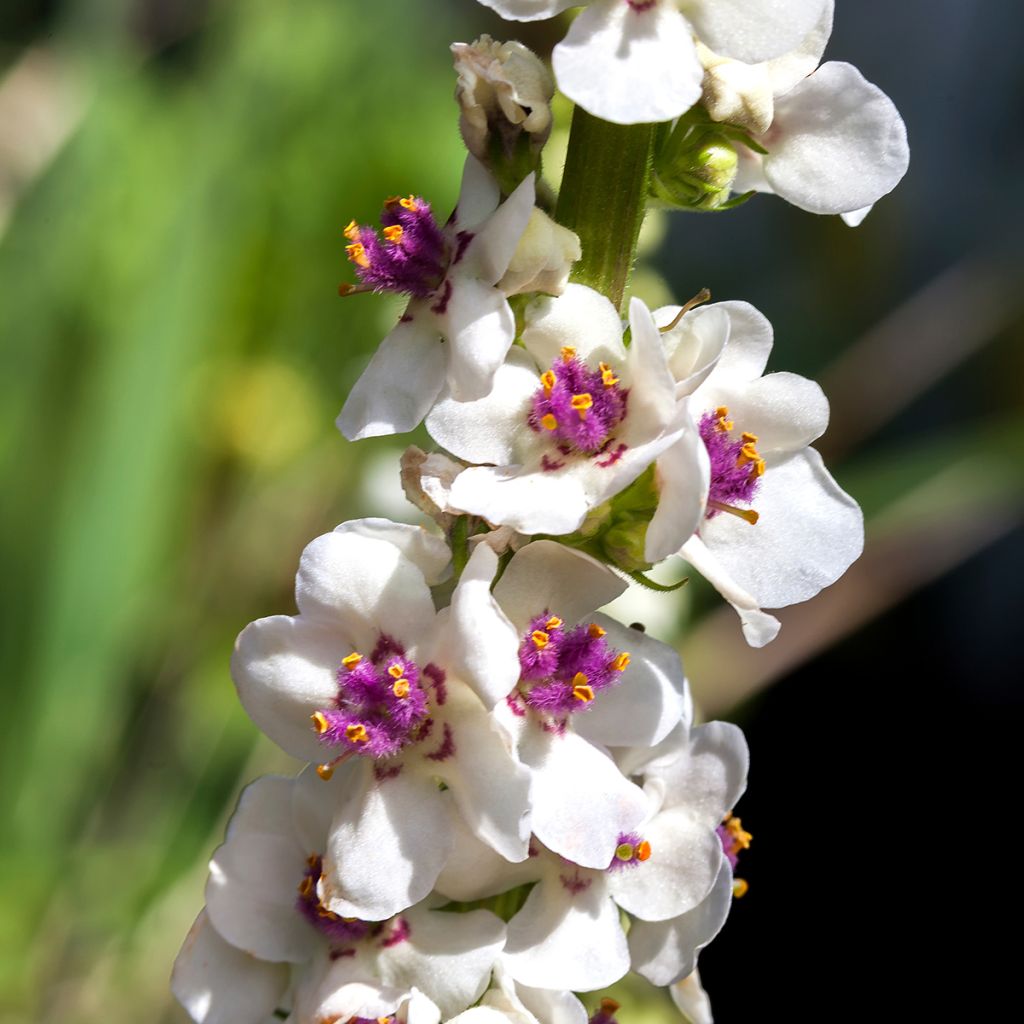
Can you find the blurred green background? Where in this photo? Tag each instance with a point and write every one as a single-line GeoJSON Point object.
{"type": "Point", "coordinates": [174, 179]}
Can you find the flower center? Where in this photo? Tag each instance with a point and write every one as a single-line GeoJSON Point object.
{"type": "Point", "coordinates": [383, 704]}
{"type": "Point", "coordinates": [336, 928]}
{"type": "Point", "coordinates": [562, 670]}
{"type": "Point", "coordinates": [735, 839]}
{"type": "Point", "coordinates": [577, 407]}
{"type": "Point", "coordinates": [410, 256]}
{"type": "Point", "coordinates": [631, 850]}
{"type": "Point", "coordinates": [736, 466]}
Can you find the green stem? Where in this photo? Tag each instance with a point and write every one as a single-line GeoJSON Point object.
{"type": "Point", "coordinates": [604, 197]}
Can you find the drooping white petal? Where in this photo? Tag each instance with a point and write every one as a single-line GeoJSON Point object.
{"type": "Point", "coordinates": [552, 1006]}
{"type": "Point", "coordinates": [567, 939]}
{"type": "Point", "coordinates": [479, 326]}
{"type": "Point", "coordinates": [447, 956]}
{"type": "Point", "coordinates": [400, 382]}
{"type": "Point", "coordinates": [854, 218]}
{"type": "Point", "coordinates": [646, 703]}
{"type": "Point", "coordinates": [427, 551]}
{"type": "Point", "coordinates": [484, 644]}
{"type": "Point", "coordinates": [250, 894]}
{"type": "Point", "coordinates": [694, 345]}
{"type": "Point", "coordinates": [683, 474]}
{"type": "Point", "coordinates": [753, 30]}
{"type": "Point", "coordinates": [581, 801]}
{"type": "Point", "coordinates": [366, 587]}
{"type": "Point", "coordinates": [489, 253]}
{"type": "Point", "coordinates": [474, 870]}
{"type": "Point", "coordinates": [791, 68]}
{"type": "Point", "coordinates": [629, 65]}
{"type": "Point", "coordinates": [785, 411]}
{"type": "Point", "coordinates": [284, 669]}
{"type": "Point", "coordinates": [652, 388]}
{"type": "Point", "coordinates": [837, 144]}
{"type": "Point", "coordinates": [219, 984]}
{"type": "Point", "coordinates": [488, 429]}
{"type": "Point", "coordinates": [528, 10]}
{"type": "Point", "coordinates": [808, 533]}
{"type": "Point", "coordinates": [387, 847]}
{"type": "Point", "coordinates": [490, 788]}
{"type": "Point", "coordinates": [665, 951]}
{"type": "Point", "coordinates": [759, 628]}
{"type": "Point", "coordinates": [478, 195]}
{"type": "Point", "coordinates": [750, 342]}
{"type": "Point", "coordinates": [545, 576]}
{"type": "Point", "coordinates": [580, 318]}
{"type": "Point", "coordinates": [691, 1000]}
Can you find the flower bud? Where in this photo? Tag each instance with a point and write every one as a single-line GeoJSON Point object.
{"type": "Point", "coordinates": [698, 172]}
{"type": "Point", "coordinates": [504, 92]}
{"type": "Point", "coordinates": [623, 544]}
{"type": "Point", "coordinates": [543, 258]}
{"type": "Point", "coordinates": [736, 93]}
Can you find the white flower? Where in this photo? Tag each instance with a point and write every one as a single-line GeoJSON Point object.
{"type": "Point", "coordinates": [458, 324]}
{"type": "Point", "coordinates": [632, 61]}
{"type": "Point", "coordinates": [571, 421]}
{"type": "Point", "coordinates": [776, 527]}
{"type": "Point", "coordinates": [362, 679]}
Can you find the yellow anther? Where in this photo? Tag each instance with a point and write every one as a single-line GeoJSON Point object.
{"type": "Point", "coordinates": [740, 887]}
{"type": "Point", "coordinates": [723, 423]}
{"type": "Point", "coordinates": [746, 514]}
{"type": "Point", "coordinates": [625, 851]}
{"type": "Point", "coordinates": [395, 671]}
{"type": "Point", "coordinates": [568, 353]}
{"type": "Point", "coordinates": [547, 378]}
{"type": "Point", "coordinates": [320, 723]}
{"type": "Point", "coordinates": [748, 453]}
{"type": "Point", "coordinates": [401, 688]}
{"type": "Point", "coordinates": [548, 422]}
{"type": "Point", "coordinates": [357, 254]}
{"type": "Point", "coordinates": [306, 887]}
{"type": "Point", "coordinates": [581, 403]}
{"type": "Point", "coordinates": [581, 689]}
{"type": "Point", "coordinates": [312, 860]}
{"type": "Point", "coordinates": [325, 771]}
{"type": "Point", "coordinates": [737, 833]}
{"type": "Point", "coordinates": [722, 410]}
{"type": "Point", "coordinates": [749, 438]}
{"type": "Point", "coordinates": [356, 733]}
{"type": "Point", "coordinates": [352, 231]}
{"type": "Point", "coordinates": [608, 378]}
{"type": "Point", "coordinates": [621, 662]}
{"type": "Point", "coordinates": [595, 631]}
{"type": "Point", "coordinates": [643, 851]}
{"type": "Point", "coordinates": [553, 623]}
{"type": "Point", "coordinates": [610, 1006]}
{"type": "Point", "coordinates": [352, 660]}
{"type": "Point", "coordinates": [394, 232]}
{"type": "Point", "coordinates": [409, 203]}
{"type": "Point", "coordinates": [540, 639]}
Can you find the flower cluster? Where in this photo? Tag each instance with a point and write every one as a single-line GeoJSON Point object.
{"type": "Point", "coordinates": [508, 798]}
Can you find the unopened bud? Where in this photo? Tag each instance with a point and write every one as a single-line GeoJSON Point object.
{"type": "Point", "coordinates": [543, 258]}
{"type": "Point", "coordinates": [699, 172]}
{"type": "Point", "coordinates": [736, 93]}
{"type": "Point", "coordinates": [624, 544]}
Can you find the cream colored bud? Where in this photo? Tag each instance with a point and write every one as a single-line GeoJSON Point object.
{"type": "Point", "coordinates": [503, 89]}
{"type": "Point", "coordinates": [543, 258]}
{"type": "Point", "coordinates": [737, 93]}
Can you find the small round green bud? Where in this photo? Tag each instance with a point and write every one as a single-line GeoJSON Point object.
{"type": "Point", "coordinates": [623, 544]}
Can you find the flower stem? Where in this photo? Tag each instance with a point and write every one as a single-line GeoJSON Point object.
{"type": "Point", "coordinates": [604, 197]}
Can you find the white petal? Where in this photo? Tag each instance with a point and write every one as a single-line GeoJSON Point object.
{"type": "Point", "coordinates": [691, 1000]}
{"type": "Point", "coordinates": [284, 669]}
{"type": "Point", "coordinates": [838, 143]}
{"type": "Point", "coordinates": [786, 411]}
{"type": "Point", "coordinates": [644, 706]}
{"type": "Point", "coordinates": [474, 870]}
{"type": "Point", "coordinates": [545, 576]}
{"type": "Point", "coordinates": [750, 343]}
{"type": "Point", "coordinates": [528, 10]}
{"type": "Point", "coordinates": [427, 551]}
{"type": "Point", "coordinates": [786, 71]}
{"type": "Point", "coordinates": [753, 30]}
{"type": "Point", "coordinates": [854, 218]}
{"type": "Point", "coordinates": [652, 395]}
{"type": "Point", "coordinates": [479, 326]}
{"type": "Point", "coordinates": [685, 860]}
{"type": "Point", "coordinates": [665, 951]}
{"type": "Point", "coordinates": [580, 318]}
{"type": "Point", "coordinates": [219, 984]}
{"type": "Point", "coordinates": [484, 645]}
{"type": "Point", "coordinates": [683, 475]}
{"type": "Point", "coordinates": [490, 788]}
{"type": "Point", "coordinates": [315, 802]}
{"type": "Point", "coordinates": [629, 66]}
{"type": "Point", "coordinates": [759, 628]}
{"type": "Point", "coordinates": [478, 195]}
{"type": "Point", "coordinates": [401, 381]}
{"type": "Point", "coordinates": [567, 940]}
{"type": "Point", "coordinates": [490, 252]}
{"type": "Point", "coordinates": [808, 533]}
{"type": "Point", "coordinates": [488, 429]}
{"type": "Point", "coordinates": [581, 801]}
{"type": "Point", "coordinates": [250, 893]}
{"type": "Point", "coordinates": [387, 847]}
{"type": "Point", "coordinates": [552, 1006]}
{"type": "Point", "coordinates": [365, 586]}
{"type": "Point", "coordinates": [694, 345]}
{"type": "Point", "coordinates": [447, 956]}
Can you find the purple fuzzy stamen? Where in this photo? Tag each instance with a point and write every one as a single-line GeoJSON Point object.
{"type": "Point", "coordinates": [576, 407]}
{"type": "Point", "coordinates": [410, 256]}
{"type": "Point", "coordinates": [337, 929]}
{"type": "Point", "coordinates": [734, 476]}
{"type": "Point", "coordinates": [631, 850]}
{"type": "Point", "coordinates": [733, 838]}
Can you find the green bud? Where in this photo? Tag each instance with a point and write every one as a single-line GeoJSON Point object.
{"type": "Point", "coordinates": [597, 520]}
{"type": "Point", "coordinates": [623, 544]}
{"type": "Point", "coordinates": [695, 168]}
